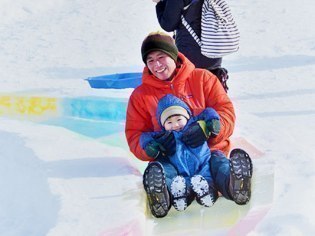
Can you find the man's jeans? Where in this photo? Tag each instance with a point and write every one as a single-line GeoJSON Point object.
{"type": "Point", "coordinates": [220, 170]}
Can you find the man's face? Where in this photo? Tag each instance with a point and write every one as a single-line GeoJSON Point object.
{"type": "Point", "coordinates": [176, 123]}
{"type": "Point", "coordinates": [161, 65]}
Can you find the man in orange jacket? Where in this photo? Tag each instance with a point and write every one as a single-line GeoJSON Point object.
{"type": "Point", "coordinates": [168, 71]}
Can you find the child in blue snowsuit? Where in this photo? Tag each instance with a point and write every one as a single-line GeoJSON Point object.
{"type": "Point", "coordinates": [189, 167]}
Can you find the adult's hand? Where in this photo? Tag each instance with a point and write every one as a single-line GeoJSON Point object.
{"type": "Point", "coordinates": [196, 134]}
{"type": "Point", "coordinates": [214, 127]}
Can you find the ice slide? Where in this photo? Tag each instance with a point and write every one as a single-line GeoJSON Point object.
{"type": "Point", "coordinates": [83, 115]}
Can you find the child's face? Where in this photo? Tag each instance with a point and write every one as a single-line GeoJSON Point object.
{"type": "Point", "coordinates": [175, 123]}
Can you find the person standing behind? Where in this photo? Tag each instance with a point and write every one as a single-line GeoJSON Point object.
{"type": "Point", "coordinates": [169, 16]}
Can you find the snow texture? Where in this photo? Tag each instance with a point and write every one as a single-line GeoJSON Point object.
{"type": "Point", "coordinates": [178, 191]}
{"type": "Point", "coordinates": [61, 179]}
{"type": "Point", "coordinates": [201, 188]}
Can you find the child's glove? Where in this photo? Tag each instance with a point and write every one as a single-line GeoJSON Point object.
{"type": "Point", "coordinates": [152, 149]}
{"type": "Point", "coordinates": [163, 144]}
{"type": "Point", "coordinates": [167, 142]}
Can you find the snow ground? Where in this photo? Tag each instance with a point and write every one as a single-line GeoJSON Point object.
{"type": "Point", "coordinates": [59, 182]}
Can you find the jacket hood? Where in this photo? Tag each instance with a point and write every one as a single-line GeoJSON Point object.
{"type": "Point", "coordinates": [168, 101]}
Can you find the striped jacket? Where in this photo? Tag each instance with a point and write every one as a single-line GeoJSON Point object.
{"type": "Point", "coordinates": [169, 16]}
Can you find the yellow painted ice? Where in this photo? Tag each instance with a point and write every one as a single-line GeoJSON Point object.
{"type": "Point", "coordinates": [28, 106]}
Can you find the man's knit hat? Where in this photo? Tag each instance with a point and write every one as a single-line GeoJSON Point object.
{"type": "Point", "coordinates": [170, 105]}
{"type": "Point", "coordinates": [158, 41]}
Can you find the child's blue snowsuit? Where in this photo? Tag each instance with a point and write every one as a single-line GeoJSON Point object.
{"type": "Point", "coordinates": [186, 161]}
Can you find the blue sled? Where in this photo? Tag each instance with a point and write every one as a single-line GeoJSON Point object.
{"type": "Point", "coordinates": [116, 81]}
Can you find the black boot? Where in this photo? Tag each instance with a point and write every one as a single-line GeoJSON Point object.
{"type": "Point", "coordinates": [223, 75]}
{"type": "Point", "coordinates": [241, 175]}
{"type": "Point", "coordinates": [156, 189]}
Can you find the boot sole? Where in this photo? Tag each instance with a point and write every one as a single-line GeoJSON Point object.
{"type": "Point", "coordinates": [241, 171]}
{"type": "Point", "coordinates": [201, 187]}
{"type": "Point", "coordinates": [155, 187]}
{"type": "Point", "coordinates": [178, 191]}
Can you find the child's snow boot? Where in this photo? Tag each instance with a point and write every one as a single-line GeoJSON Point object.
{"type": "Point", "coordinates": [241, 174]}
{"type": "Point", "coordinates": [156, 189]}
{"type": "Point", "coordinates": [178, 191]}
{"type": "Point", "coordinates": [201, 187]}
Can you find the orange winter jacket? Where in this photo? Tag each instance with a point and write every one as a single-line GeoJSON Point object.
{"type": "Point", "coordinates": [197, 87]}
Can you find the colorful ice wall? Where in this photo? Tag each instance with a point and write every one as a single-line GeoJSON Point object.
{"type": "Point", "coordinates": [27, 107]}
{"type": "Point", "coordinates": [41, 108]}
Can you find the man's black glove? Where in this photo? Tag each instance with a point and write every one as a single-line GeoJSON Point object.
{"type": "Point", "coordinates": [200, 131]}
{"type": "Point", "coordinates": [213, 127]}
{"type": "Point", "coordinates": [196, 134]}
{"type": "Point", "coordinates": [163, 144]}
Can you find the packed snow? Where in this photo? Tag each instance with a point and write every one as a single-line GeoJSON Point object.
{"type": "Point", "coordinates": [58, 179]}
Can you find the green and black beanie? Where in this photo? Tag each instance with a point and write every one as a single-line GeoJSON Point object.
{"type": "Point", "coordinates": [159, 41]}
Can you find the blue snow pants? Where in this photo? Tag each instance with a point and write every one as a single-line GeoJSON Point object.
{"type": "Point", "coordinates": [220, 170]}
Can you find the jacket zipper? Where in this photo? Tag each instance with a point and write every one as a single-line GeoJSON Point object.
{"type": "Point", "coordinates": [172, 87]}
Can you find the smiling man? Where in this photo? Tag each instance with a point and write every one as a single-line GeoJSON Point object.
{"type": "Point", "coordinates": [168, 71]}
{"type": "Point", "coordinates": [160, 54]}
{"type": "Point", "coordinates": [161, 65]}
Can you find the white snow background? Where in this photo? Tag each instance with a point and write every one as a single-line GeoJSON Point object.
{"type": "Point", "coordinates": [55, 181]}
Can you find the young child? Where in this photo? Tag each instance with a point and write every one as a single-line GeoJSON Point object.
{"type": "Point", "coordinates": [191, 172]}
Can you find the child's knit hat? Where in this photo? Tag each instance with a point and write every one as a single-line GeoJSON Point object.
{"type": "Point", "coordinates": [158, 41]}
{"type": "Point", "coordinates": [170, 105]}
